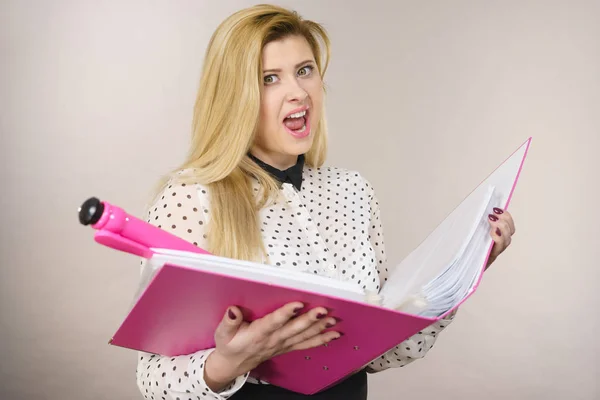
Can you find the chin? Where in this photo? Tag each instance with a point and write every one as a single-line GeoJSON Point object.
{"type": "Point", "coordinates": [296, 150]}
{"type": "Point", "coordinates": [298, 146]}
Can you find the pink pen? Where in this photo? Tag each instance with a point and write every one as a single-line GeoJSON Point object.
{"type": "Point", "coordinates": [117, 229]}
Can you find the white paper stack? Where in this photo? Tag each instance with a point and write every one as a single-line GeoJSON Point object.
{"type": "Point", "coordinates": [445, 268]}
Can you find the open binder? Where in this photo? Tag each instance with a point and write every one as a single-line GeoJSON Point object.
{"type": "Point", "coordinates": [431, 282]}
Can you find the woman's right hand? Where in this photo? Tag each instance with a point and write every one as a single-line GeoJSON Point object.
{"type": "Point", "coordinates": [242, 346]}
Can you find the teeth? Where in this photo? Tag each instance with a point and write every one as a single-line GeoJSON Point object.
{"type": "Point", "coordinates": [297, 115]}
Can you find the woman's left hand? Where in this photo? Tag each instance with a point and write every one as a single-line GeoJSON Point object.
{"type": "Point", "coordinates": [502, 229]}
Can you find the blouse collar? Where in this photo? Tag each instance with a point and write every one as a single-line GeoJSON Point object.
{"type": "Point", "coordinates": [291, 175]}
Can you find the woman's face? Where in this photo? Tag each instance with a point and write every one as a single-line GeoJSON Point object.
{"type": "Point", "coordinates": [291, 102]}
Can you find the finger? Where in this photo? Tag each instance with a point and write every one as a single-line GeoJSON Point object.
{"type": "Point", "coordinates": [315, 317]}
{"type": "Point", "coordinates": [493, 218]}
{"type": "Point", "coordinates": [501, 238]}
{"type": "Point", "coordinates": [505, 232]}
{"type": "Point", "coordinates": [505, 216]}
{"type": "Point", "coordinates": [511, 224]}
{"type": "Point", "coordinates": [502, 223]}
{"type": "Point", "coordinates": [496, 234]}
{"type": "Point", "coordinates": [496, 248]}
{"type": "Point", "coordinates": [316, 341]}
{"type": "Point", "coordinates": [232, 319]}
{"type": "Point", "coordinates": [278, 318]}
{"type": "Point", "coordinates": [313, 330]}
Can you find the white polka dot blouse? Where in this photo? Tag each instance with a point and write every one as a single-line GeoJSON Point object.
{"type": "Point", "coordinates": [331, 227]}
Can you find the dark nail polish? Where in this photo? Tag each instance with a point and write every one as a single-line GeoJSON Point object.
{"type": "Point", "coordinates": [329, 325]}
{"type": "Point", "coordinates": [320, 316]}
{"type": "Point", "coordinates": [231, 314]}
{"type": "Point", "coordinates": [497, 210]}
{"type": "Point", "coordinates": [297, 310]}
{"type": "Point", "coordinates": [498, 232]}
{"type": "Point", "coordinates": [492, 217]}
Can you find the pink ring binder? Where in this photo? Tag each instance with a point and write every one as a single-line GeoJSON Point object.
{"type": "Point", "coordinates": [166, 318]}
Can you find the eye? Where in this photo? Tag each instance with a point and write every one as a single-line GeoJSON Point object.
{"type": "Point", "coordinates": [269, 79]}
{"type": "Point", "coordinates": [306, 70]}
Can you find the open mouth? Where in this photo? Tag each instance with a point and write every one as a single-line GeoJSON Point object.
{"type": "Point", "coordinates": [297, 123]}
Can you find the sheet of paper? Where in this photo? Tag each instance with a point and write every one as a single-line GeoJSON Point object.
{"type": "Point", "coordinates": [261, 273]}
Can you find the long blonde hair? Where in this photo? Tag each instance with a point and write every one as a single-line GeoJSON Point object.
{"type": "Point", "coordinates": [226, 116]}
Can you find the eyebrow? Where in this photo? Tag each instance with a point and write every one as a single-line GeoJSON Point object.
{"type": "Point", "coordinates": [296, 66]}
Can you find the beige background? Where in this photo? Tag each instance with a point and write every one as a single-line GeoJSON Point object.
{"type": "Point", "coordinates": [425, 99]}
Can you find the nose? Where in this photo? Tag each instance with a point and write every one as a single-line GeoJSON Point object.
{"type": "Point", "coordinates": [295, 92]}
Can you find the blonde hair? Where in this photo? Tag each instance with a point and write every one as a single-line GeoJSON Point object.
{"type": "Point", "coordinates": [226, 116]}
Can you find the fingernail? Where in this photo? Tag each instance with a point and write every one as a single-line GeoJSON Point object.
{"type": "Point", "coordinates": [497, 210]}
{"type": "Point", "coordinates": [320, 316]}
{"type": "Point", "coordinates": [297, 310]}
{"type": "Point", "coordinates": [492, 217]}
{"type": "Point", "coordinates": [329, 325]}
{"type": "Point", "coordinates": [336, 338]}
{"type": "Point", "coordinates": [231, 314]}
{"type": "Point", "coordinates": [498, 232]}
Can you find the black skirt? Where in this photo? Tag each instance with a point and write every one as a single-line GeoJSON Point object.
{"type": "Point", "coordinates": [352, 388]}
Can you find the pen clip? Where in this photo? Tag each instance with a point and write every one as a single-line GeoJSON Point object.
{"type": "Point", "coordinates": [121, 243]}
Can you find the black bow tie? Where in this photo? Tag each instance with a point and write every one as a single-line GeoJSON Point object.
{"type": "Point", "coordinates": [291, 175]}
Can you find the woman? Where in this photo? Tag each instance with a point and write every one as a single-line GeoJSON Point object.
{"type": "Point", "coordinates": [254, 187]}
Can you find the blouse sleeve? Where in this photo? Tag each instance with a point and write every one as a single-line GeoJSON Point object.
{"type": "Point", "coordinates": [178, 210]}
{"type": "Point", "coordinates": [418, 345]}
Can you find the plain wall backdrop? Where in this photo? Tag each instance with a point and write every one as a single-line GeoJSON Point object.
{"type": "Point", "coordinates": [424, 99]}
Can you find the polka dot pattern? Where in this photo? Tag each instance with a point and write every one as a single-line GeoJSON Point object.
{"type": "Point", "coordinates": [331, 227]}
